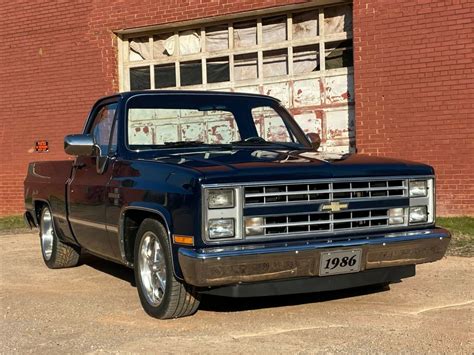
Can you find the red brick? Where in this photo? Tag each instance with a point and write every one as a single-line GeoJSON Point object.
{"type": "Point", "coordinates": [423, 95]}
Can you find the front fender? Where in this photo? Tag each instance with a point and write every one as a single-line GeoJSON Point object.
{"type": "Point", "coordinates": [164, 216]}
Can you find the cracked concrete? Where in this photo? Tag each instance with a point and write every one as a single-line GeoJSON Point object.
{"type": "Point", "coordinates": [95, 308]}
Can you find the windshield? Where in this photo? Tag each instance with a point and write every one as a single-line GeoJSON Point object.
{"type": "Point", "coordinates": [156, 121]}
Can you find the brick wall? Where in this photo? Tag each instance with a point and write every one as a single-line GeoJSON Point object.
{"type": "Point", "coordinates": [414, 88]}
{"type": "Point", "coordinates": [413, 61]}
{"type": "Point", "coordinates": [58, 57]}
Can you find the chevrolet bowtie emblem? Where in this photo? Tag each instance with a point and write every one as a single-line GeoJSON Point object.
{"type": "Point", "coordinates": [334, 206]}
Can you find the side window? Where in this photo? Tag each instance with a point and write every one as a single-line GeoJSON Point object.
{"type": "Point", "coordinates": [102, 127]}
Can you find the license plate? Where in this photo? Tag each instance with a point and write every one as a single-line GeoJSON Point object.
{"type": "Point", "coordinates": [340, 262]}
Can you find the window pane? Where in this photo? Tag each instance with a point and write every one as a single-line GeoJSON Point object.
{"type": "Point", "coordinates": [338, 19]}
{"type": "Point", "coordinates": [274, 29]}
{"type": "Point", "coordinates": [175, 124]}
{"type": "Point", "coordinates": [305, 59]}
{"type": "Point", "coordinates": [339, 54]}
{"type": "Point", "coordinates": [270, 125]}
{"type": "Point", "coordinates": [163, 45]}
{"type": "Point", "coordinates": [165, 76]}
{"type": "Point", "coordinates": [245, 34]}
{"type": "Point", "coordinates": [189, 42]}
{"type": "Point", "coordinates": [217, 70]}
{"type": "Point", "coordinates": [275, 63]}
{"type": "Point", "coordinates": [305, 24]}
{"type": "Point", "coordinates": [191, 73]}
{"type": "Point", "coordinates": [245, 66]}
{"type": "Point", "coordinates": [139, 49]}
{"type": "Point", "coordinates": [217, 38]}
{"type": "Point", "coordinates": [102, 127]}
{"type": "Point", "coordinates": [140, 78]}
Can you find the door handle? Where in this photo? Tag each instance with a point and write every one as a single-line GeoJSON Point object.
{"type": "Point", "coordinates": [78, 165]}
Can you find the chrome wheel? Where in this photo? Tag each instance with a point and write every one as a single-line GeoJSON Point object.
{"type": "Point", "coordinates": [152, 268]}
{"type": "Point", "coordinates": [47, 234]}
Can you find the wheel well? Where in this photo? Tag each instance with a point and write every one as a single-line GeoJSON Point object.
{"type": "Point", "coordinates": [131, 223]}
{"type": "Point", "coordinates": [38, 207]}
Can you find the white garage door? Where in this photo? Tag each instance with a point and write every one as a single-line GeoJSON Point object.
{"type": "Point", "coordinates": [302, 57]}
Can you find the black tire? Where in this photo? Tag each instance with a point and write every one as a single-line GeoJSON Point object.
{"type": "Point", "coordinates": [56, 254]}
{"type": "Point", "coordinates": [178, 299]}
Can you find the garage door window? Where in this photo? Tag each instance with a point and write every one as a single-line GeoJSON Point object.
{"type": "Point", "coordinates": [250, 51]}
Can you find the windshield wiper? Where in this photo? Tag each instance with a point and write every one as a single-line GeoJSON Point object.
{"type": "Point", "coordinates": [260, 140]}
{"type": "Point", "coordinates": [184, 143]}
{"type": "Point", "coordinates": [252, 141]}
{"type": "Point", "coordinates": [194, 144]}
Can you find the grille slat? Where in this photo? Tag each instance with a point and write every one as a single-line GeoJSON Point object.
{"type": "Point", "coordinates": [294, 224]}
{"type": "Point", "coordinates": [323, 223]}
{"type": "Point", "coordinates": [297, 192]}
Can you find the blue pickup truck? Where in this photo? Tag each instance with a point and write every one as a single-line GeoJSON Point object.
{"type": "Point", "coordinates": [224, 194]}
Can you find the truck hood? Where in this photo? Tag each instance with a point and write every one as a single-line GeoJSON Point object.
{"type": "Point", "coordinates": [249, 165]}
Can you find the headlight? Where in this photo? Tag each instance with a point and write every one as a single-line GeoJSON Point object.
{"type": "Point", "coordinates": [254, 226]}
{"type": "Point", "coordinates": [418, 214]}
{"type": "Point", "coordinates": [396, 216]}
{"type": "Point", "coordinates": [221, 228]}
{"type": "Point", "coordinates": [222, 219]}
{"type": "Point", "coordinates": [418, 188]}
{"type": "Point", "coordinates": [220, 198]}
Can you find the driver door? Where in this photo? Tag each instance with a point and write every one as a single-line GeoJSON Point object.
{"type": "Point", "coordinates": [87, 194]}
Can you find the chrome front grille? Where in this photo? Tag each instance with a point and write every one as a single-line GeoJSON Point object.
{"type": "Point", "coordinates": [369, 215]}
{"type": "Point", "coordinates": [325, 191]}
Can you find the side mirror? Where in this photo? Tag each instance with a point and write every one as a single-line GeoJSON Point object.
{"type": "Point", "coordinates": [315, 140]}
{"type": "Point", "coordinates": [80, 144]}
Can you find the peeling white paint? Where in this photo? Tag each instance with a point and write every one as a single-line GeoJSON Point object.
{"type": "Point", "coordinates": [306, 93]}
{"type": "Point", "coordinates": [339, 89]}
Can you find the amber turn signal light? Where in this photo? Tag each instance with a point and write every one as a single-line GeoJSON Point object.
{"type": "Point", "coordinates": [183, 239]}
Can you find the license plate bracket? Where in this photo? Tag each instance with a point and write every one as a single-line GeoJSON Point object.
{"type": "Point", "coordinates": [340, 262]}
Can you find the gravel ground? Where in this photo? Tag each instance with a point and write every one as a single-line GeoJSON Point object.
{"type": "Point", "coordinates": [95, 308]}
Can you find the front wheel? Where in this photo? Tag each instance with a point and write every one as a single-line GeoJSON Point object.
{"type": "Point", "coordinates": [161, 294]}
{"type": "Point", "coordinates": [56, 254]}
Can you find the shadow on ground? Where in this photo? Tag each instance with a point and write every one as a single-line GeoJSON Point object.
{"type": "Point", "coordinates": [226, 304]}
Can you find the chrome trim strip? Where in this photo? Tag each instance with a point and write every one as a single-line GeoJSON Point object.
{"type": "Point", "coordinates": [88, 223]}
{"type": "Point", "coordinates": [112, 228]}
{"type": "Point", "coordinates": [101, 226]}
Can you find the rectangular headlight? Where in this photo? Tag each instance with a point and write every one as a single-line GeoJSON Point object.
{"type": "Point", "coordinates": [220, 198]}
{"type": "Point", "coordinates": [418, 188]}
{"type": "Point", "coordinates": [221, 228]}
{"type": "Point", "coordinates": [396, 216]}
{"type": "Point", "coordinates": [418, 214]}
{"type": "Point", "coordinates": [254, 226]}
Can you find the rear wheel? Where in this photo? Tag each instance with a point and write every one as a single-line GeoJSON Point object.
{"type": "Point", "coordinates": [56, 254]}
{"type": "Point", "coordinates": [161, 294]}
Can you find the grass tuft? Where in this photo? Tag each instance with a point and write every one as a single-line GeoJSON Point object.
{"type": "Point", "coordinates": [462, 229]}
{"type": "Point", "coordinates": [10, 223]}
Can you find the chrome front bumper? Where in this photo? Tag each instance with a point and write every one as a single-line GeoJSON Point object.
{"type": "Point", "coordinates": [218, 266]}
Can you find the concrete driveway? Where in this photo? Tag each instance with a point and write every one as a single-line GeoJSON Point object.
{"type": "Point", "coordinates": [95, 308]}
